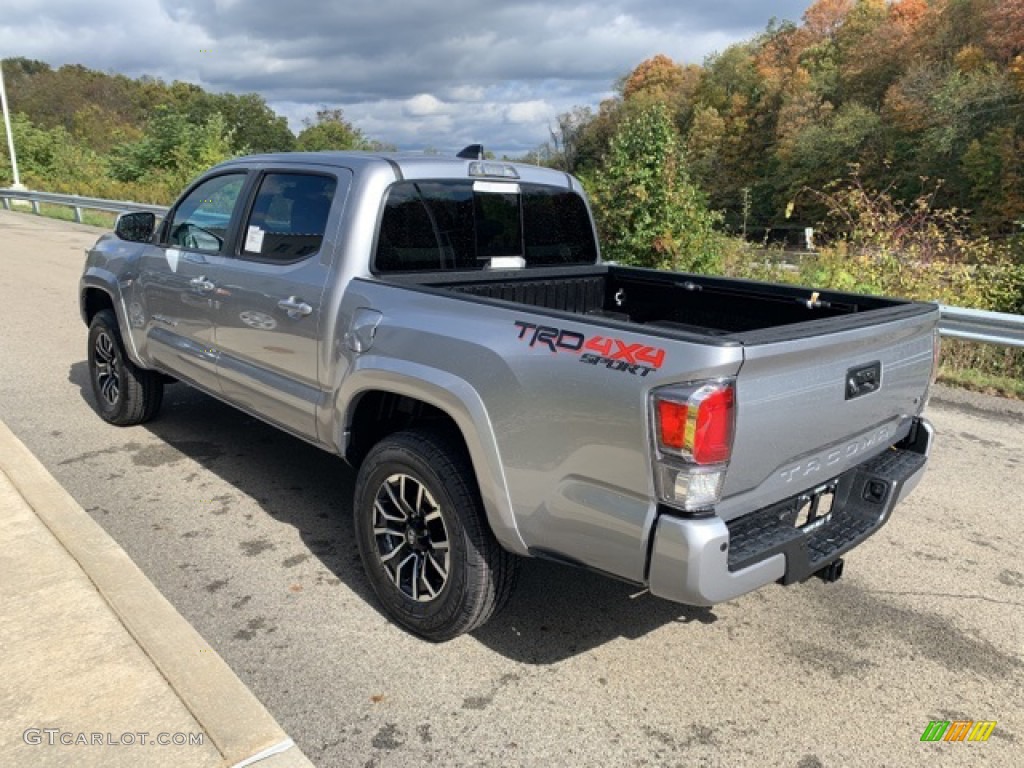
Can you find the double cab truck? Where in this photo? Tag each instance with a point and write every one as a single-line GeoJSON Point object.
{"type": "Point", "coordinates": [447, 326]}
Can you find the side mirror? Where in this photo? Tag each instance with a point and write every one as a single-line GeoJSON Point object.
{"type": "Point", "coordinates": [137, 227]}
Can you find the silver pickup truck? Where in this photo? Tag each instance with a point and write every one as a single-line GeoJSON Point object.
{"type": "Point", "coordinates": [446, 325]}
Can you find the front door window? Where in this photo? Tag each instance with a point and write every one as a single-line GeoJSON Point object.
{"type": "Point", "coordinates": [201, 220]}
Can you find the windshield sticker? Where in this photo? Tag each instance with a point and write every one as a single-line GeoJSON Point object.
{"type": "Point", "coordinates": [254, 240]}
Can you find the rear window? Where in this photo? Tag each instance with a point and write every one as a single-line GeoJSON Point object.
{"type": "Point", "coordinates": [431, 226]}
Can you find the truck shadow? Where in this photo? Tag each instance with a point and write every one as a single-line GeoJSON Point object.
{"type": "Point", "coordinates": [555, 613]}
{"type": "Point", "coordinates": [558, 611]}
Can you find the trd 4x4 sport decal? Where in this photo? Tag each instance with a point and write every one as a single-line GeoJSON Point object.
{"type": "Point", "coordinates": [613, 354]}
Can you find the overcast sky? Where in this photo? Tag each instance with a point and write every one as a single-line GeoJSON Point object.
{"type": "Point", "coordinates": [416, 73]}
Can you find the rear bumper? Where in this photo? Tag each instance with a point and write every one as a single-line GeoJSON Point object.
{"type": "Point", "coordinates": [706, 561]}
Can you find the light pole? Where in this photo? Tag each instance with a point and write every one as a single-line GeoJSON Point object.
{"type": "Point", "coordinates": [10, 136]}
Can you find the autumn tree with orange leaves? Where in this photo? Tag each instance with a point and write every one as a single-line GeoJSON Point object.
{"type": "Point", "coordinates": [905, 89]}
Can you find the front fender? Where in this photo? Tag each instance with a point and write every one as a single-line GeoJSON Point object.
{"type": "Point", "coordinates": [455, 397]}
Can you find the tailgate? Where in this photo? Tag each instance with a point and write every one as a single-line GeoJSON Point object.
{"type": "Point", "coordinates": [799, 420]}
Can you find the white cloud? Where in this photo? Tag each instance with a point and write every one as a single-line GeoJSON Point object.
{"type": "Point", "coordinates": [422, 105]}
{"type": "Point", "coordinates": [536, 111]}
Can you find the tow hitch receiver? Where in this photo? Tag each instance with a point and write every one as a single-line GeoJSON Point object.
{"type": "Point", "coordinates": [831, 572]}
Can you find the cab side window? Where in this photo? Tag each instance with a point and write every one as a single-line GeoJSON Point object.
{"type": "Point", "coordinates": [289, 217]}
{"type": "Point", "coordinates": [201, 220]}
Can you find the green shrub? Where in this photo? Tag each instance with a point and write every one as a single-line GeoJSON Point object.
{"type": "Point", "coordinates": [647, 211]}
{"type": "Point", "coordinates": [883, 246]}
{"type": "Point", "coordinates": [914, 251]}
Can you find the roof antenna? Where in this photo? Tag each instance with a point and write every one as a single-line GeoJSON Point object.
{"type": "Point", "coordinates": [472, 152]}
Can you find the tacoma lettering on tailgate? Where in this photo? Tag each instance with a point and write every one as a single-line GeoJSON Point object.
{"type": "Point", "coordinates": [829, 458]}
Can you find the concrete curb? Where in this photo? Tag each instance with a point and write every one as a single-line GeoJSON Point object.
{"type": "Point", "coordinates": [239, 726]}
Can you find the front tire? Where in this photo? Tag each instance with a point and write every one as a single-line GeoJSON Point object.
{"type": "Point", "coordinates": [125, 394]}
{"type": "Point", "coordinates": [423, 537]}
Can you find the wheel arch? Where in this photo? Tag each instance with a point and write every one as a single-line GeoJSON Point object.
{"type": "Point", "coordinates": [99, 290]}
{"type": "Point", "coordinates": [93, 301]}
{"type": "Point", "coordinates": [383, 397]}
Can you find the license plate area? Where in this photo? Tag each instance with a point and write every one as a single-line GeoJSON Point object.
{"type": "Point", "coordinates": [813, 528]}
{"type": "Point", "coordinates": [814, 509]}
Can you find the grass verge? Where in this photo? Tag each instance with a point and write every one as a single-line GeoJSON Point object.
{"type": "Point", "coordinates": [986, 383]}
{"type": "Point", "coordinates": [65, 213]}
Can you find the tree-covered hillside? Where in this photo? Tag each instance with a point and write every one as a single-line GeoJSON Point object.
{"type": "Point", "coordinates": [93, 133]}
{"type": "Point", "coordinates": [907, 90]}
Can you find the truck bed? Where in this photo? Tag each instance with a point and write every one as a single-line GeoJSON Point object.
{"type": "Point", "coordinates": [795, 352]}
{"type": "Point", "coordinates": [728, 310]}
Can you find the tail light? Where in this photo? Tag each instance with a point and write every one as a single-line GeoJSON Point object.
{"type": "Point", "coordinates": [693, 434]}
{"type": "Point", "coordinates": [698, 428]}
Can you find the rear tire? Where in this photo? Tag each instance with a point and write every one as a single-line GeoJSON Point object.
{"type": "Point", "coordinates": [125, 394]}
{"type": "Point", "coordinates": [423, 537]}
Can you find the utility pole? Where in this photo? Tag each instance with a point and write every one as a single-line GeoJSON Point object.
{"type": "Point", "coordinates": [10, 136]}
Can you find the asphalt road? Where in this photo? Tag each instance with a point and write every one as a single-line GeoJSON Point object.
{"type": "Point", "coordinates": [248, 533]}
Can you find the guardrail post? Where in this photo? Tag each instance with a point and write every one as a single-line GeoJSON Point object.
{"type": "Point", "coordinates": [35, 207]}
{"type": "Point", "coordinates": [78, 214]}
{"type": "Point", "coordinates": [7, 203]}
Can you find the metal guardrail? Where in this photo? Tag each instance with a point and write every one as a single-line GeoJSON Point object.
{"type": "Point", "coordinates": [76, 202]}
{"type": "Point", "coordinates": [978, 325]}
{"type": "Point", "coordinates": [997, 328]}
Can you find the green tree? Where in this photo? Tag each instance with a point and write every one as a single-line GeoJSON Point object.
{"type": "Point", "coordinates": [52, 98]}
{"type": "Point", "coordinates": [732, 77]}
{"type": "Point", "coordinates": [563, 151]}
{"type": "Point", "coordinates": [704, 146]}
{"type": "Point", "coordinates": [104, 110]}
{"type": "Point", "coordinates": [596, 135]}
{"type": "Point", "coordinates": [736, 87]}
{"type": "Point", "coordinates": [994, 169]}
{"type": "Point", "coordinates": [812, 156]}
{"type": "Point", "coordinates": [330, 130]}
{"type": "Point", "coordinates": [647, 211]}
{"type": "Point", "coordinates": [173, 150]}
{"type": "Point", "coordinates": [50, 160]}
{"type": "Point", "coordinates": [254, 126]}
{"type": "Point", "coordinates": [869, 52]}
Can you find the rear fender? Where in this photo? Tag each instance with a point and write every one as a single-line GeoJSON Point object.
{"type": "Point", "coordinates": [456, 398]}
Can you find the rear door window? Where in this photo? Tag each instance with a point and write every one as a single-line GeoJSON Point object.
{"type": "Point", "coordinates": [463, 225]}
{"type": "Point", "coordinates": [288, 217]}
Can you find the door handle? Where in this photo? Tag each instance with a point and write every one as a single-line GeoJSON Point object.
{"type": "Point", "coordinates": [201, 284]}
{"type": "Point", "coordinates": [295, 307]}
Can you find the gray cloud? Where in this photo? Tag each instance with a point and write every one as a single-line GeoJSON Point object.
{"type": "Point", "coordinates": [412, 72]}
